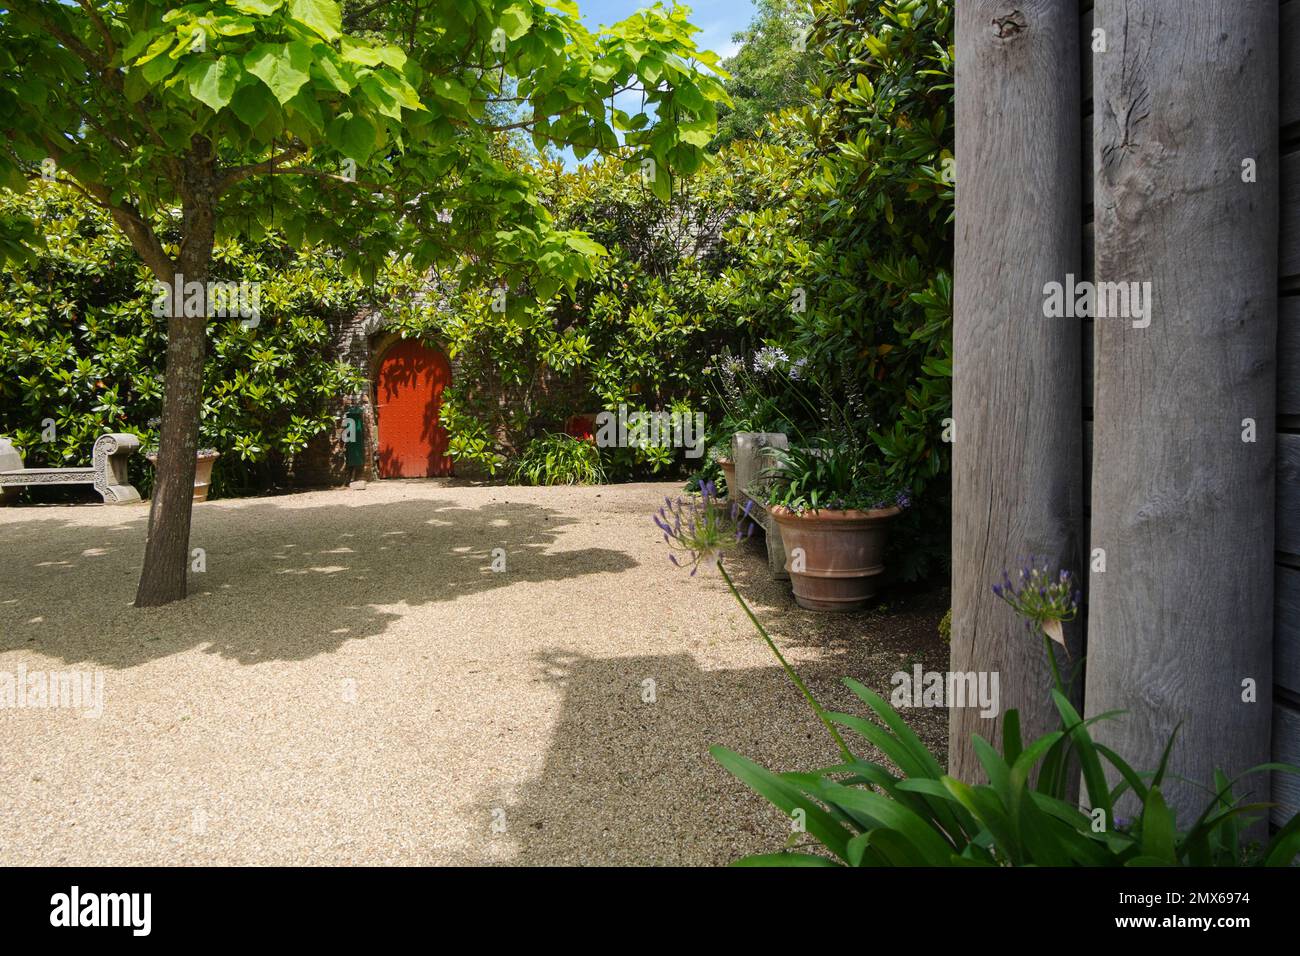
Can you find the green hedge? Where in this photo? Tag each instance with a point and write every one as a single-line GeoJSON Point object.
{"type": "Point", "coordinates": [80, 346]}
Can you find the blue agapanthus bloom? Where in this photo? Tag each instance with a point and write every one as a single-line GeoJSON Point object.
{"type": "Point", "coordinates": [700, 531]}
{"type": "Point", "coordinates": [1042, 598]}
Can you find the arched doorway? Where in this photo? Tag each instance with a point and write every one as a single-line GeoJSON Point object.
{"type": "Point", "coordinates": [408, 402]}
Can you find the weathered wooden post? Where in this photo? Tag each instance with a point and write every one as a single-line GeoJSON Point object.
{"type": "Point", "coordinates": [1186, 162]}
{"type": "Point", "coordinates": [1017, 452]}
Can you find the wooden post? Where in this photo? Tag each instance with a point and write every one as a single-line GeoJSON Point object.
{"type": "Point", "coordinates": [1186, 162]}
{"type": "Point", "coordinates": [1017, 451]}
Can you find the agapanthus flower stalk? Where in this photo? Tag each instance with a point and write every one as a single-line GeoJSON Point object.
{"type": "Point", "coordinates": [698, 534]}
{"type": "Point", "coordinates": [1045, 600]}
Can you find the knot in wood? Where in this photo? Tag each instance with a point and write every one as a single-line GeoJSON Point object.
{"type": "Point", "coordinates": [1010, 26]}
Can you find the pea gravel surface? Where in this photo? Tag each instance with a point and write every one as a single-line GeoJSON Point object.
{"type": "Point", "coordinates": [350, 682]}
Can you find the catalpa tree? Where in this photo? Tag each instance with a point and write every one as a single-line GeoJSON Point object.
{"type": "Point", "coordinates": [373, 128]}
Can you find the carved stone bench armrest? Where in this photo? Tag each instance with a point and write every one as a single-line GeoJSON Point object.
{"type": "Point", "coordinates": [109, 461]}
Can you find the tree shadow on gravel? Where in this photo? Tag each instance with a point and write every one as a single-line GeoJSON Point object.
{"type": "Point", "coordinates": [282, 582]}
{"type": "Point", "coordinates": [628, 778]}
{"type": "Point", "coordinates": [903, 619]}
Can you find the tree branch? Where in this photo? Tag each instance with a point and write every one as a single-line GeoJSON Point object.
{"type": "Point", "coordinates": [101, 26]}
{"type": "Point", "coordinates": [237, 174]}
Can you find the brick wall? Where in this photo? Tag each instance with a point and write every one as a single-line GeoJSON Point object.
{"type": "Point", "coordinates": [358, 340]}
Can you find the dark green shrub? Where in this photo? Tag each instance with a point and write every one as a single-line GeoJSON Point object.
{"type": "Point", "coordinates": [79, 345]}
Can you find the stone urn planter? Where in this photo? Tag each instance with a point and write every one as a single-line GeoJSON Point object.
{"type": "Point", "coordinates": [203, 462]}
{"type": "Point", "coordinates": [834, 557]}
{"type": "Point", "coordinates": [754, 454]}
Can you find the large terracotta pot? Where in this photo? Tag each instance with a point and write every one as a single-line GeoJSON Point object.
{"type": "Point", "coordinates": [729, 472]}
{"type": "Point", "coordinates": [841, 556]}
{"type": "Point", "coordinates": [203, 462]}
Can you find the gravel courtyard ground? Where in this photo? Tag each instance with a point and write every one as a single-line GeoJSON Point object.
{"type": "Point", "coordinates": [350, 683]}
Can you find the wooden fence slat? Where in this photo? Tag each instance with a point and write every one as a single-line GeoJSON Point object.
{"type": "Point", "coordinates": [1086, 55]}
{"type": "Point", "coordinates": [1089, 372]}
{"type": "Point", "coordinates": [1087, 162]}
{"type": "Point", "coordinates": [1017, 470]}
{"type": "Point", "coordinates": [1286, 749]}
{"type": "Point", "coordinates": [1288, 356]}
{"type": "Point", "coordinates": [1289, 64]}
{"type": "Point", "coordinates": [1288, 494]}
{"type": "Point", "coordinates": [1181, 506]}
{"type": "Point", "coordinates": [1289, 224]}
{"type": "Point", "coordinates": [1286, 629]}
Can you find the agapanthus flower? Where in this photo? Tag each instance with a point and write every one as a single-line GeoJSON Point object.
{"type": "Point", "coordinates": [770, 358]}
{"type": "Point", "coordinates": [1045, 600]}
{"type": "Point", "coordinates": [699, 531]}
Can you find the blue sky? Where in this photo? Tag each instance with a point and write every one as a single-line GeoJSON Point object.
{"type": "Point", "coordinates": [718, 21]}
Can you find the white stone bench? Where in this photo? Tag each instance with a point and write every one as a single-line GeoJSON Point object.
{"type": "Point", "coordinates": [107, 471]}
{"type": "Point", "coordinates": [752, 453]}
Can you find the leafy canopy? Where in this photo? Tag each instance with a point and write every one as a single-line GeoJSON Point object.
{"type": "Point", "coordinates": [361, 126]}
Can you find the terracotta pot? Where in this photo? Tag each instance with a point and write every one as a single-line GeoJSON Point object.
{"type": "Point", "coordinates": [842, 555]}
{"type": "Point", "coordinates": [202, 472]}
{"type": "Point", "coordinates": [729, 470]}
{"type": "Point", "coordinates": [203, 475]}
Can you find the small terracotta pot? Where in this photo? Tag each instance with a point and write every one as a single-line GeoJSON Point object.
{"type": "Point", "coordinates": [841, 558]}
{"type": "Point", "coordinates": [202, 472]}
{"type": "Point", "coordinates": [729, 471]}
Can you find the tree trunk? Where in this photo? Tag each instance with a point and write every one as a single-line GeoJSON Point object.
{"type": "Point", "coordinates": [166, 550]}
{"type": "Point", "coordinates": [1017, 443]}
{"type": "Point", "coordinates": [1181, 504]}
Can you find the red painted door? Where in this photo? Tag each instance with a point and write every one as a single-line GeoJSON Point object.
{"type": "Point", "coordinates": [412, 441]}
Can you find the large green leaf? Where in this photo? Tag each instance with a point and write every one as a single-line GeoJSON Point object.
{"type": "Point", "coordinates": [787, 798]}
{"type": "Point", "coordinates": [284, 68]}
{"type": "Point", "coordinates": [516, 20]}
{"type": "Point", "coordinates": [322, 17]}
{"type": "Point", "coordinates": [355, 137]}
{"type": "Point", "coordinates": [1158, 828]}
{"type": "Point", "coordinates": [251, 103]}
{"type": "Point", "coordinates": [259, 7]}
{"type": "Point", "coordinates": [214, 82]}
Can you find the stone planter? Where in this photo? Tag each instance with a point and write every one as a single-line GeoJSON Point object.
{"type": "Point", "coordinates": [203, 462]}
{"type": "Point", "coordinates": [839, 558]}
{"type": "Point", "coordinates": [753, 454]}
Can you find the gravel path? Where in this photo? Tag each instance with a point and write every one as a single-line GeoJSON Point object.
{"type": "Point", "coordinates": [350, 682]}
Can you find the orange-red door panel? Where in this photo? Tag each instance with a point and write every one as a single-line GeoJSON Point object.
{"type": "Point", "coordinates": [412, 441]}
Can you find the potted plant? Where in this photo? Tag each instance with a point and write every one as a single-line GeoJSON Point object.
{"type": "Point", "coordinates": [833, 505]}
{"type": "Point", "coordinates": [203, 460]}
